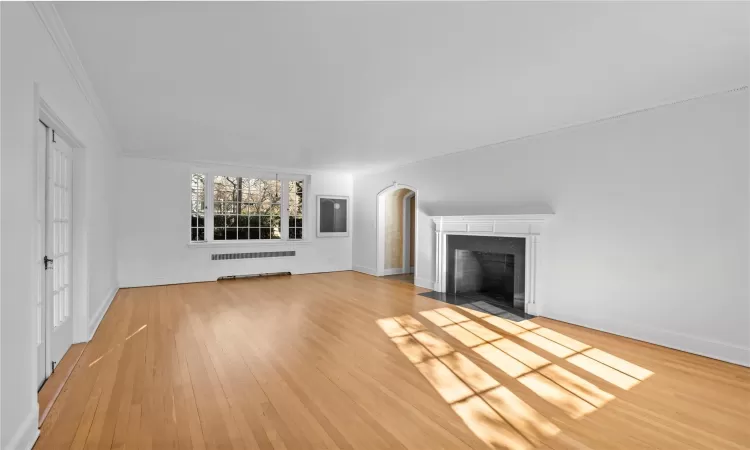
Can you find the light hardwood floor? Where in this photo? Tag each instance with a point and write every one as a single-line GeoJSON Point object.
{"type": "Point", "coordinates": [345, 360]}
{"type": "Point", "coordinates": [56, 381]}
{"type": "Point", "coordinates": [404, 278]}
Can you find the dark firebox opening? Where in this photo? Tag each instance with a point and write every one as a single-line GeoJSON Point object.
{"type": "Point", "coordinates": [487, 266]}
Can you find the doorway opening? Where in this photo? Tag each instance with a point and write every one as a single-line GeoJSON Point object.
{"type": "Point", "coordinates": [397, 232]}
{"type": "Point", "coordinates": [60, 300]}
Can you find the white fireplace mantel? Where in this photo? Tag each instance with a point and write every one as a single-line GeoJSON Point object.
{"type": "Point", "coordinates": [528, 226]}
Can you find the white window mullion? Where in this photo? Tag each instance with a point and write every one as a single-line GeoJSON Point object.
{"type": "Point", "coordinates": [306, 223]}
{"type": "Point", "coordinates": [284, 209]}
{"type": "Point", "coordinates": [209, 192]}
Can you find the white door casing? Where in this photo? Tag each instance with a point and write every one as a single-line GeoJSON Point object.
{"type": "Point", "coordinates": [380, 227]}
{"type": "Point", "coordinates": [406, 235]}
{"type": "Point", "coordinates": [39, 251]}
{"type": "Point", "coordinates": [52, 335]}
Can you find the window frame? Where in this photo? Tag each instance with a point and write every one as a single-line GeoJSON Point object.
{"type": "Point", "coordinates": [284, 180]}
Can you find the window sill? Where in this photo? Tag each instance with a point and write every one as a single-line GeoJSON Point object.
{"type": "Point", "coordinates": [244, 244]}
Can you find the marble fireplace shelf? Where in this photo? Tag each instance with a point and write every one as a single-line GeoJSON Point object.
{"type": "Point", "coordinates": [522, 224]}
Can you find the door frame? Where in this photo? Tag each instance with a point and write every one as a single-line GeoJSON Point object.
{"type": "Point", "coordinates": [79, 278]}
{"type": "Point", "coordinates": [380, 227]}
{"type": "Point", "coordinates": [406, 236]}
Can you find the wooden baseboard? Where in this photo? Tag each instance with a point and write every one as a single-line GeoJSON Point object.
{"type": "Point", "coordinates": [54, 384]}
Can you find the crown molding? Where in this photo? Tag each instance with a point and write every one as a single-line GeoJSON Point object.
{"type": "Point", "coordinates": [391, 167]}
{"type": "Point", "coordinates": [54, 25]}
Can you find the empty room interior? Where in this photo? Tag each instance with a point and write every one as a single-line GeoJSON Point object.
{"type": "Point", "coordinates": [375, 225]}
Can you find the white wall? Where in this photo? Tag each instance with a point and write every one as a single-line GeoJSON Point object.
{"type": "Point", "coordinates": [154, 221]}
{"type": "Point", "coordinates": [650, 237]}
{"type": "Point", "coordinates": [28, 56]}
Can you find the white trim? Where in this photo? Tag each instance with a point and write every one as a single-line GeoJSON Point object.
{"type": "Point", "coordinates": [394, 271]}
{"type": "Point", "coordinates": [528, 226]}
{"type": "Point", "coordinates": [26, 435]}
{"type": "Point", "coordinates": [40, 217]}
{"type": "Point", "coordinates": [52, 120]}
{"type": "Point", "coordinates": [475, 221]}
{"type": "Point", "coordinates": [79, 306]}
{"type": "Point", "coordinates": [211, 164]}
{"type": "Point", "coordinates": [380, 235]}
{"type": "Point", "coordinates": [380, 226]}
{"type": "Point", "coordinates": [96, 319]}
{"type": "Point", "coordinates": [393, 167]}
{"type": "Point", "coordinates": [56, 28]}
{"type": "Point", "coordinates": [259, 243]}
{"type": "Point", "coordinates": [424, 283]}
{"type": "Point", "coordinates": [208, 208]}
{"type": "Point", "coordinates": [284, 208]}
{"type": "Point", "coordinates": [406, 233]}
{"type": "Point", "coordinates": [679, 341]}
{"type": "Point", "coordinates": [365, 270]}
{"type": "Point", "coordinates": [237, 170]}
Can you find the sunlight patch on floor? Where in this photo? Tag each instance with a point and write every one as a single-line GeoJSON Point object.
{"type": "Point", "coordinates": [560, 387]}
{"type": "Point", "coordinates": [577, 385]}
{"type": "Point", "coordinates": [487, 425]}
{"type": "Point", "coordinates": [552, 392]}
{"type": "Point", "coordinates": [603, 371]}
{"type": "Point", "coordinates": [610, 368]}
{"type": "Point", "coordinates": [489, 410]}
{"type": "Point", "coordinates": [617, 363]}
{"type": "Point", "coordinates": [522, 364]}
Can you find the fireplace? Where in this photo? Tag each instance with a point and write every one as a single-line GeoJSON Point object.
{"type": "Point", "coordinates": [492, 258]}
{"type": "Point", "coordinates": [487, 266]}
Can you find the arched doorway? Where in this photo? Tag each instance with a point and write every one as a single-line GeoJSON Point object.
{"type": "Point", "coordinates": [397, 229]}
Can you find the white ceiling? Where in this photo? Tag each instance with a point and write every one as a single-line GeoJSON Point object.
{"type": "Point", "coordinates": [361, 86]}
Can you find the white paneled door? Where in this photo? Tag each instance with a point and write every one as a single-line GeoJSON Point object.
{"type": "Point", "coordinates": [56, 327]}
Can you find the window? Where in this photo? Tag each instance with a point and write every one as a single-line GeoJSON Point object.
{"type": "Point", "coordinates": [295, 210]}
{"type": "Point", "coordinates": [198, 219]}
{"type": "Point", "coordinates": [246, 208]}
{"type": "Point", "coordinates": [242, 209]}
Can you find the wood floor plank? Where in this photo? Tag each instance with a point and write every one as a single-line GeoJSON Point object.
{"type": "Point", "coordinates": [136, 340]}
{"type": "Point", "coordinates": [301, 362]}
{"type": "Point", "coordinates": [54, 384]}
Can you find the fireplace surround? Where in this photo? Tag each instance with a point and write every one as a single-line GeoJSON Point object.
{"type": "Point", "coordinates": [526, 226]}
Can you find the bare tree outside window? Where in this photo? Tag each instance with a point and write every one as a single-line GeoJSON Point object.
{"type": "Point", "coordinates": [295, 209]}
{"type": "Point", "coordinates": [198, 203]}
{"type": "Point", "coordinates": [246, 208]}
